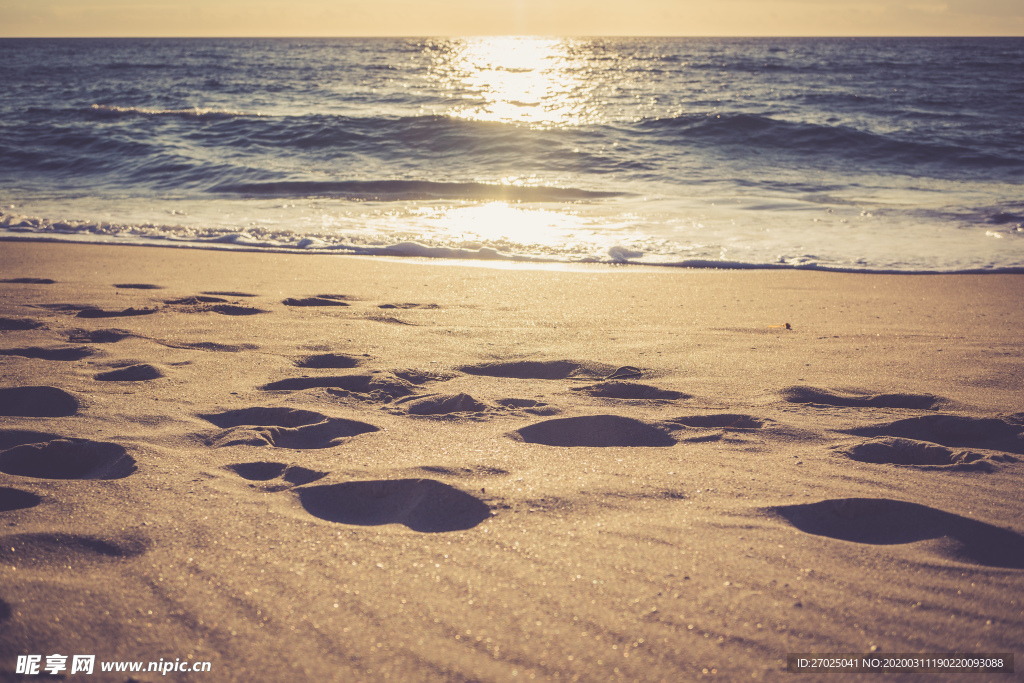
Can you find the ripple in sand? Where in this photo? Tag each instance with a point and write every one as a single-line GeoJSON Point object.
{"type": "Point", "coordinates": [423, 505]}
{"type": "Point", "coordinates": [814, 395]}
{"type": "Point", "coordinates": [37, 402]}
{"type": "Point", "coordinates": [63, 551]}
{"type": "Point", "coordinates": [68, 459]}
{"type": "Point", "coordinates": [594, 431]}
{"type": "Point", "coordinates": [881, 521]}
{"type": "Point", "coordinates": [16, 499]}
{"type": "Point", "coordinates": [65, 353]}
{"type": "Point", "coordinates": [920, 454]}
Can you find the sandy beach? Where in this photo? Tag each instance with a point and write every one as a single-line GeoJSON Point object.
{"type": "Point", "coordinates": [317, 468]}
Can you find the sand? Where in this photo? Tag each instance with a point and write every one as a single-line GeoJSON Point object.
{"type": "Point", "coordinates": [316, 468]}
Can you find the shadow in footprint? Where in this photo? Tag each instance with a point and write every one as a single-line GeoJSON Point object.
{"type": "Point", "coordinates": [406, 307]}
{"type": "Point", "coordinates": [630, 391]}
{"type": "Point", "coordinates": [881, 521]}
{"type": "Point", "coordinates": [801, 394]}
{"type": "Point", "coordinates": [333, 361]}
{"type": "Point", "coordinates": [15, 324]}
{"type": "Point", "coordinates": [532, 369]}
{"type": "Point", "coordinates": [920, 454]}
{"type": "Point", "coordinates": [423, 505]}
{"type": "Point", "coordinates": [108, 336]}
{"type": "Point", "coordinates": [68, 459]}
{"type": "Point", "coordinates": [133, 373]}
{"type": "Point", "coordinates": [267, 471]}
{"type": "Point", "coordinates": [267, 417]}
{"type": "Point", "coordinates": [17, 437]}
{"type": "Point", "coordinates": [137, 286]}
{"type": "Point", "coordinates": [5, 611]}
{"type": "Point", "coordinates": [37, 402]}
{"type": "Point", "coordinates": [594, 431]}
{"type": "Point", "coordinates": [229, 294]}
{"type": "Point", "coordinates": [953, 430]}
{"type": "Point", "coordinates": [195, 301]}
{"type": "Point", "coordinates": [319, 300]}
{"type": "Point", "coordinates": [126, 313]}
{"type": "Point", "coordinates": [30, 281]}
{"type": "Point", "coordinates": [16, 499]}
{"type": "Point", "coordinates": [59, 551]}
{"type": "Point", "coordinates": [66, 353]}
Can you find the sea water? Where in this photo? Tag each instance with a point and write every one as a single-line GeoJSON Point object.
{"type": "Point", "coordinates": [871, 154]}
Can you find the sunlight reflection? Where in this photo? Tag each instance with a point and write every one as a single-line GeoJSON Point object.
{"type": "Point", "coordinates": [536, 81]}
{"type": "Point", "coordinates": [499, 222]}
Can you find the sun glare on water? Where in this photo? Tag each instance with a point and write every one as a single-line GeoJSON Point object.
{"type": "Point", "coordinates": [534, 81]}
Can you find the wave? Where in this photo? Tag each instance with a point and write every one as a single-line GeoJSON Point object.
{"type": "Point", "coordinates": [198, 113]}
{"type": "Point", "coordinates": [411, 190]}
{"type": "Point", "coordinates": [761, 132]}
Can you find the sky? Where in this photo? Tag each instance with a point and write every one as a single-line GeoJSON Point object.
{"type": "Point", "coordinates": [166, 18]}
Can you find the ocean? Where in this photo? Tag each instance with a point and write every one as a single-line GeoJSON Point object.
{"type": "Point", "coordinates": [867, 154]}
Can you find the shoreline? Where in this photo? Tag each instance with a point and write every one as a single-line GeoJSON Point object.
{"type": "Point", "coordinates": [301, 468]}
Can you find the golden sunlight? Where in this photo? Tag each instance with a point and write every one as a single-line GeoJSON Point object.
{"type": "Point", "coordinates": [535, 81]}
{"type": "Point", "coordinates": [499, 221]}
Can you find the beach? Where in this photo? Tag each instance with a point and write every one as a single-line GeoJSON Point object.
{"type": "Point", "coordinates": [303, 467]}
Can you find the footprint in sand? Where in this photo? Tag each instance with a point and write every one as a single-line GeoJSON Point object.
{"type": "Point", "coordinates": [211, 304]}
{"type": "Point", "coordinates": [921, 455]}
{"type": "Point", "coordinates": [229, 294]}
{"type": "Point", "coordinates": [376, 386]}
{"type": "Point", "coordinates": [848, 399]}
{"type": "Point", "coordinates": [16, 499]}
{"type": "Point", "coordinates": [630, 391]}
{"type": "Point", "coordinates": [333, 361]}
{"type": "Point", "coordinates": [206, 346]}
{"type": "Point", "coordinates": [17, 324]}
{"type": "Point", "coordinates": [290, 475]}
{"type": "Point", "coordinates": [423, 505]}
{"type": "Point", "coordinates": [550, 369]}
{"type": "Point", "coordinates": [141, 372]}
{"type": "Point", "coordinates": [594, 431]}
{"type": "Point", "coordinates": [30, 281]}
{"type": "Point", "coordinates": [443, 404]}
{"type": "Point", "coordinates": [319, 300]}
{"type": "Point", "coordinates": [881, 521]}
{"type": "Point", "coordinates": [37, 402]}
{"type": "Point", "coordinates": [62, 353]}
{"type": "Point", "coordinates": [282, 428]}
{"type": "Point", "coordinates": [106, 336]}
{"type": "Point", "coordinates": [954, 431]}
{"type": "Point", "coordinates": [68, 459]}
{"type": "Point", "coordinates": [408, 307]}
{"type": "Point", "coordinates": [61, 552]}
{"type": "Point", "coordinates": [125, 313]}
{"type": "Point", "coordinates": [137, 286]}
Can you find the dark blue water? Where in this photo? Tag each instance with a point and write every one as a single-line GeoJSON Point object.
{"type": "Point", "coordinates": [863, 154]}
